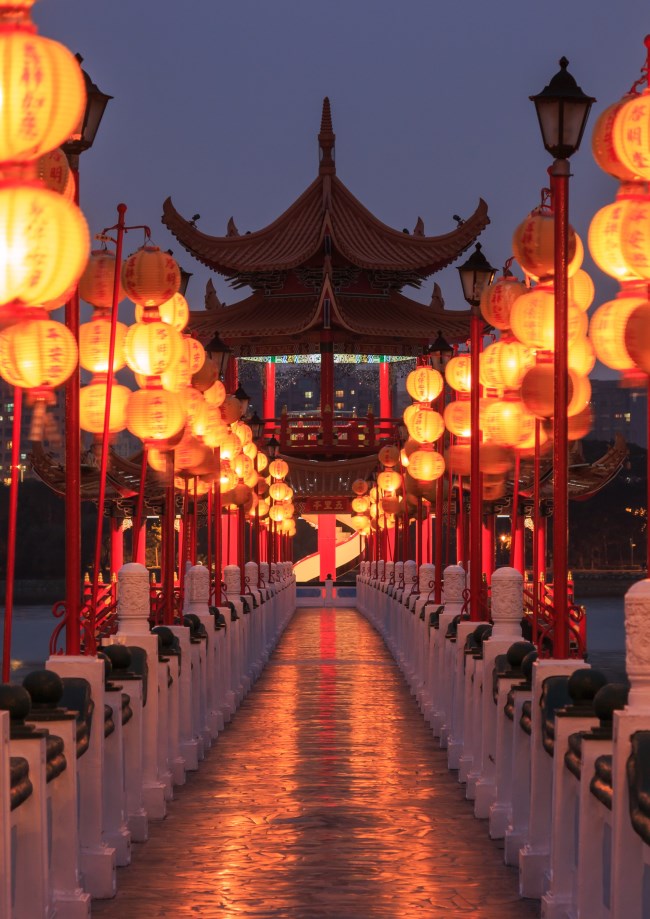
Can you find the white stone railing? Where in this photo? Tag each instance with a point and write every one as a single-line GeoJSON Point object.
{"type": "Point", "coordinates": [156, 712]}
{"type": "Point", "coordinates": [553, 784]}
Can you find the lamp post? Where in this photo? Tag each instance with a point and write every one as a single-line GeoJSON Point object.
{"type": "Point", "coordinates": [439, 353]}
{"type": "Point", "coordinates": [81, 140]}
{"type": "Point", "coordinates": [475, 274]}
{"type": "Point", "coordinates": [219, 352]}
{"type": "Point", "coordinates": [562, 110]}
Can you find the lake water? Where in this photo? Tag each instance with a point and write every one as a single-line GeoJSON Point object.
{"type": "Point", "coordinates": [33, 627]}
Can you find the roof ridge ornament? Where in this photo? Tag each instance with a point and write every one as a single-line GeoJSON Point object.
{"type": "Point", "coordinates": [232, 228]}
{"type": "Point", "coordinates": [326, 138]}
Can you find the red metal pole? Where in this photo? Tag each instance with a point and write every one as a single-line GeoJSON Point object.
{"type": "Point", "coordinates": [241, 553]}
{"type": "Point", "coordinates": [537, 517]}
{"type": "Point", "coordinates": [559, 173]}
{"type": "Point", "coordinates": [137, 523]}
{"type": "Point", "coordinates": [514, 516]}
{"type": "Point", "coordinates": [195, 521]}
{"type": "Point", "coordinates": [170, 538]}
{"type": "Point", "coordinates": [476, 485]}
{"type": "Point", "coordinates": [11, 534]}
{"type": "Point", "coordinates": [209, 538]}
{"type": "Point", "coordinates": [268, 410]}
{"type": "Point", "coordinates": [419, 534]}
{"type": "Point", "coordinates": [385, 395]}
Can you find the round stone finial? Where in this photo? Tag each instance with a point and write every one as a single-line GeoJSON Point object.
{"type": "Point", "coordinates": [45, 688]}
{"type": "Point", "coordinates": [527, 665]}
{"type": "Point", "coordinates": [637, 644]}
{"type": "Point", "coordinates": [373, 570]}
{"type": "Point", "coordinates": [517, 652]}
{"type": "Point", "coordinates": [133, 601]}
{"type": "Point", "coordinates": [609, 699]}
{"type": "Point", "coordinates": [15, 700]}
{"type": "Point", "coordinates": [264, 572]}
{"type": "Point", "coordinates": [410, 572]}
{"type": "Point", "coordinates": [584, 684]}
{"type": "Point", "coordinates": [197, 585]}
{"type": "Point", "coordinates": [507, 602]}
{"type": "Point", "coordinates": [232, 579]}
{"type": "Point", "coordinates": [426, 578]}
{"type": "Point", "coordinates": [390, 571]}
{"type": "Point", "coordinates": [119, 656]}
{"type": "Point", "coordinates": [454, 583]}
{"type": "Point", "coordinates": [381, 569]}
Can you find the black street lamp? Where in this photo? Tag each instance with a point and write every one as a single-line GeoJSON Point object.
{"type": "Point", "coordinates": [562, 111]}
{"type": "Point", "coordinates": [273, 448]}
{"type": "Point", "coordinates": [256, 425]}
{"type": "Point", "coordinates": [439, 353]}
{"type": "Point", "coordinates": [241, 394]}
{"type": "Point", "coordinates": [219, 353]}
{"type": "Point", "coordinates": [84, 135]}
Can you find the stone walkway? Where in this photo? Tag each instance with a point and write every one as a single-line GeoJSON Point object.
{"type": "Point", "coordinates": [327, 796]}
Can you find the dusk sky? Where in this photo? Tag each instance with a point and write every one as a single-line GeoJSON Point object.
{"type": "Point", "coordinates": [218, 105]}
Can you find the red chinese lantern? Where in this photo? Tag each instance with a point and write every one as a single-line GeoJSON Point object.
{"type": "Point", "coordinates": [458, 459]}
{"type": "Point", "coordinates": [457, 418]}
{"type": "Point", "coordinates": [508, 422]}
{"type": "Point", "coordinates": [154, 414]}
{"type": "Point", "coordinates": [607, 329]}
{"type": "Point", "coordinates": [360, 504]}
{"type": "Point", "coordinates": [151, 348]}
{"type": "Point", "coordinates": [150, 276]}
{"type": "Point", "coordinates": [97, 282]}
{"type": "Point", "coordinates": [426, 465]}
{"type": "Point", "coordinates": [216, 393]}
{"type": "Point", "coordinates": [503, 364]}
{"type": "Point", "coordinates": [388, 480]}
{"type": "Point", "coordinates": [44, 244]}
{"type": "Point", "coordinates": [631, 135]}
{"type": "Point", "coordinates": [388, 456]}
{"type": "Point", "coordinates": [279, 469]}
{"type": "Point", "coordinates": [533, 245]}
{"type": "Point", "coordinates": [619, 235]}
{"type": "Point", "coordinates": [581, 290]}
{"type": "Point", "coordinates": [37, 353]}
{"type": "Point", "coordinates": [458, 373]}
{"type": "Point", "coordinates": [581, 356]}
{"type": "Point", "coordinates": [261, 461]}
{"type": "Point", "coordinates": [231, 409]}
{"type": "Point", "coordinates": [94, 341]}
{"type": "Point", "coordinates": [243, 466]}
{"type": "Point", "coordinates": [360, 487]}
{"type": "Point", "coordinates": [537, 390]}
{"type": "Point", "coordinates": [391, 504]}
{"type": "Point", "coordinates": [495, 459]}
{"type": "Point", "coordinates": [43, 93]}
{"type": "Point", "coordinates": [230, 448]}
{"type": "Point", "coordinates": [92, 406]}
{"type": "Point", "coordinates": [424, 384]}
{"type": "Point", "coordinates": [533, 319]}
{"type": "Point", "coordinates": [637, 336]}
{"type": "Point", "coordinates": [425, 425]}
{"type": "Point", "coordinates": [603, 145]}
{"type": "Point", "coordinates": [174, 312]}
{"type": "Point", "coordinates": [279, 491]}
{"type": "Point", "coordinates": [53, 170]}
{"type": "Point", "coordinates": [497, 300]}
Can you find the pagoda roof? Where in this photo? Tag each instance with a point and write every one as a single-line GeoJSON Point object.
{"type": "Point", "coordinates": [326, 208]}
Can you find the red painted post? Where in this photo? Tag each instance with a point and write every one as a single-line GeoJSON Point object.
{"type": "Point", "coordinates": [476, 485]}
{"type": "Point", "coordinates": [327, 386]}
{"type": "Point", "coordinates": [11, 534]}
{"type": "Point", "coordinates": [139, 550]}
{"type": "Point", "coordinates": [385, 396]}
{"type": "Point", "coordinates": [117, 544]}
{"type": "Point", "coordinates": [268, 405]}
{"type": "Point", "coordinates": [327, 545]}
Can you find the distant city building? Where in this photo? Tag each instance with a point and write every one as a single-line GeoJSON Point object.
{"type": "Point", "coordinates": [619, 410]}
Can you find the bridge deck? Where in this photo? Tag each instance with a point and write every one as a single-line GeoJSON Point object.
{"type": "Point", "coordinates": [326, 797]}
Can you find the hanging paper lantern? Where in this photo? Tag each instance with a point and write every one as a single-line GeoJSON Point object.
{"type": "Point", "coordinates": [580, 425]}
{"type": "Point", "coordinates": [533, 245]}
{"type": "Point", "coordinates": [263, 508]}
{"type": "Point", "coordinates": [457, 418]}
{"type": "Point", "coordinates": [37, 353]}
{"type": "Point", "coordinates": [150, 276]}
{"type": "Point", "coordinates": [509, 423]}
{"type": "Point", "coordinates": [243, 466]}
{"type": "Point", "coordinates": [154, 414]}
{"type": "Point", "coordinates": [261, 462]}
{"type": "Point", "coordinates": [243, 431]}
{"type": "Point", "coordinates": [458, 373]}
{"type": "Point", "coordinates": [279, 491]}
{"type": "Point", "coordinates": [227, 480]}
{"type": "Point", "coordinates": [261, 486]}
{"type": "Point", "coordinates": [98, 280]}
{"type": "Point", "coordinates": [387, 456]}
{"type": "Point", "coordinates": [426, 425]}
{"type": "Point", "coordinates": [230, 448]}
{"type": "Point", "coordinates": [288, 510]}
{"type": "Point", "coordinates": [619, 235]}
{"type": "Point", "coordinates": [241, 494]}
{"type": "Point", "coordinates": [537, 390]}
{"type": "Point", "coordinates": [359, 521]}
{"type": "Point", "coordinates": [533, 319]}
{"type": "Point", "coordinates": [581, 291]}
{"type": "Point", "coordinates": [206, 376]}
{"type": "Point", "coordinates": [603, 145]}
{"type": "Point", "coordinates": [94, 341]}
{"type": "Point", "coordinates": [188, 453]}
{"type": "Point", "coordinates": [581, 397]}
{"type": "Point", "coordinates": [231, 409]}
{"type": "Point", "coordinates": [607, 329]}
{"type": "Point", "coordinates": [44, 244]}
{"type": "Point", "coordinates": [389, 480]}
{"type": "Point", "coordinates": [360, 505]}
{"type": "Point", "coordinates": [497, 300]}
{"type": "Point", "coordinates": [279, 469]}
{"type": "Point", "coordinates": [276, 514]}
{"type": "Point", "coordinates": [637, 336]}
{"type": "Point", "coordinates": [631, 134]}
{"type": "Point", "coordinates": [216, 393]}
{"type": "Point", "coordinates": [174, 312]}
{"type": "Point", "coordinates": [151, 348]}
{"type": "Point", "coordinates": [211, 426]}
{"type": "Point", "coordinates": [581, 356]}
{"type": "Point", "coordinates": [250, 450]}
{"type": "Point", "coordinates": [390, 504]}
{"type": "Point", "coordinates": [92, 407]}
{"type": "Point", "coordinates": [360, 487]}
{"type": "Point", "coordinates": [53, 170]}
{"type": "Point", "coordinates": [43, 93]}
{"type": "Point", "coordinates": [458, 459]}
{"type": "Point", "coordinates": [503, 364]}
{"type": "Point", "coordinates": [424, 384]}
{"type": "Point", "coordinates": [426, 465]}
{"type": "Point", "coordinates": [495, 459]}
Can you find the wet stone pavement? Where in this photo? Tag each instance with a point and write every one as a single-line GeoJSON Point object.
{"type": "Point", "coordinates": [327, 796]}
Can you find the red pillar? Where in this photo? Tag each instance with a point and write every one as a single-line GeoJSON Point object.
{"type": "Point", "coordinates": [268, 407]}
{"type": "Point", "coordinates": [231, 381]}
{"type": "Point", "coordinates": [519, 555]}
{"type": "Point", "coordinates": [141, 554]}
{"type": "Point", "coordinates": [327, 545]}
{"type": "Point", "coordinates": [117, 544]}
{"type": "Point", "coordinates": [476, 485]}
{"type": "Point", "coordinates": [488, 546]}
{"type": "Point", "coordinates": [385, 395]}
{"type": "Point", "coordinates": [326, 385]}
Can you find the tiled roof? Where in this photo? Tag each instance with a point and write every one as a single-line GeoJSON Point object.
{"type": "Point", "coordinates": [256, 316]}
{"type": "Point", "coordinates": [399, 316]}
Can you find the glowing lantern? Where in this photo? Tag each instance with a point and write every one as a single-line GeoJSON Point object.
{"type": "Point", "coordinates": [389, 480]}
{"type": "Point", "coordinates": [458, 459]}
{"type": "Point", "coordinates": [457, 418]}
{"type": "Point", "coordinates": [637, 337]}
{"type": "Point", "coordinates": [211, 427]}
{"type": "Point", "coordinates": [508, 422]}
{"type": "Point", "coordinates": [503, 364]}
{"type": "Point", "coordinates": [53, 170]}
{"type": "Point", "coordinates": [243, 466]}
{"type": "Point", "coordinates": [262, 508]}
{"type": "Point", "coordinates": [537, 390]}
{"type": "Point", "coordinates": [279, 469]}
{"type": "Point", "coordinates": [231, 409]}
{"type": "Point", "coordinates": [179, 375]}
{"type": "Point", "coordinates": [150, 276]}
{"type": "Point", "coordinates": [250, 449]}
{"type": "Point", "coordinates": [43, 94]}
{"type": "Point", "coordinates": [388, 456]}
{"type": "Point", "coordinates": [94, 340]}
{"type": "Point", "coordinates": [37, 353]}
{"type": "Point", "coordinates": [607, 330]}
{"type": "Point", "coordinates": [92, 407]}
{"type": "Point", "coordinates": [360, 505]}
{"type": "Point", "coordinates": [581, 394]}
{"type": "Point", "coordinates": [216, 393]}
{"type": "Point", "coordinates": [188, 453]}
{"type": "Point", "coordinates": [533, 319]}
{"type": "Point", "coordinates": [497, 300]}
{"type": "Point", "coordinates": [97, 282]}
{"type": "Point", "coordinates": [195, 409]}
{"type": "Point", "coordinates": [206, 376]}
{"type": "Point", "coordinates": [424, 384]}
{"type": "Point", "coordinates": [495, 459]}
{"type": "Point", "coordinates": [230, 447]}
{"type": "Point", "coordinates": [581, 290]}
{"type": "Point", "coordinates": [390, 504]}
{"type": "Point", "coordinates": [276, 513]}
{"type": "Point", "coordinates": [227, 480]}
{"type": "Point", "coordinates": [261, 462]}
{"type": "Point", "coordinates": [287, 510]}
{"type": "Point", "coordinates": [154, 414]}
{"type": "Point", "coordinates": [579, 425]}
{"type": "Point", "coordinates": [533, 245]}
{"type": "Point", "coordinates": [426, 465]}
{"type": "Point", "coordinates": [632, 135]}
{"type": "Point", "coordinates": [241, 494]}
{"type": "Point", "coordinates": [44, 244]}
{"type": "Point", "coordinates": [150, 348]}
{"type": "Point", "coordinates": [279, 491]}
{"type": "Point", "coordinates": [243, 431]}
{"type": "Point", "coordinates": [603, 146]}
{"type": "Point", "coordinates": [360, 487]}
{"type": "Point", "coordinates": [262, 486]}
{"type": "Point", "coordinates": [359, 521]}
{"type": "Point", "coordinates": [409, 412]}
{"type": "Point", "coordinates": [581, 356]}
{"type": "Point", "coordinates": [426, 425]}
{"type": "Point", "coordinates": [458, 373]}
{"type": "Point", "coordinates": [174, 312]}
{"type": "Point", "coordinates": [619, 235]}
